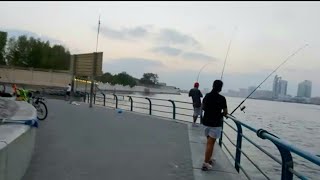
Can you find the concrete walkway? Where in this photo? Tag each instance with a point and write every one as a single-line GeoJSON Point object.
{"type": "Point", "coordinates": [77, 143]}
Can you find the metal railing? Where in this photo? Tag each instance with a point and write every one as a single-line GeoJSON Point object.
{"type": "Point", "coordinates": [284, 147]}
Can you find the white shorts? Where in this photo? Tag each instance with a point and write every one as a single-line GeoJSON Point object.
{"type": "Point", "coordinates": [214, 132]}
{"type": "Point", "coordinates": [196, 111]}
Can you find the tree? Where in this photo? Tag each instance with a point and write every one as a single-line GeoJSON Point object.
{"type": "Point", "coordinates": [11, 52]}
{"type": "Point", "coordinates": [149, 79]}
{"type": "Point", "coordinates": [35, 53]}
{"type": "Point", "coordinates": [121, 78]}
{"type": "Point", "coordinates": [3, 42]}
{"type": "Point", "coordinates": [105, 78]}
{"type": "Point", "coordinates": [124, 79]}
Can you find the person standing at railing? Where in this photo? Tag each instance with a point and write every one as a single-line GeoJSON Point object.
{"type": "Point", "coordinates": [196, 95]}
{"type": "Point", "coordinates": [214, 106]}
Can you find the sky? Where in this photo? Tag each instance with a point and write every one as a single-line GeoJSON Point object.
{"type": "Point", "coordinates": [176, 39]}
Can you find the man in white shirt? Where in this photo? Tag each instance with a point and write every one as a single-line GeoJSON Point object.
{"type": "Point", "coordinates": [68, 92]}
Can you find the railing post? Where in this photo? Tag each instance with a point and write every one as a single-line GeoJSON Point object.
{"type": "Point", "coordinates": [104, 99]}
{"type": "Point", "coordinates": [238, 150]}
{"type": "Point", "coordinates": [174, 109]}
{"type": "Point", "coordinates": [131, 103]}
{"type": "Point", "coordinates": [220, 139]}
{"type": "Point", "coordinates": [116, 98]}
{"type": "Point", "coordinates": [286, 157]}
{"type": "Point", "coordinates": [150, 106]}
{"type": "Point", "coordinates": [94, 98]}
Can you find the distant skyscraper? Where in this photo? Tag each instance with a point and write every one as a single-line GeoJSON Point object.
{"type": "Point", "coordinates": [275, 87]}
{"type": "Point", "coordinates": [282, 87]}
{"type": "Point", "coordinates": [304, 89]}
{"type": "Point", "coordinates": [279, 87]}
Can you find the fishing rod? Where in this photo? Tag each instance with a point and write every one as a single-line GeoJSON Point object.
{"type": "Point", "coordinates": [201, 70]}
{"type": "Point", "coordinates": [225, 60]}
{"type": "Point", "coordinates": [98, 33]}
{"type": "Point", "coordinates": [293, 54]}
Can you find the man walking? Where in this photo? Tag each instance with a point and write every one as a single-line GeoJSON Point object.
{"type": "Point", "coordinates": [68, 92]}
{"type": "Point", "coordinates": [215, 107]}
{"type": "Point", "coordinates": [196, 95]}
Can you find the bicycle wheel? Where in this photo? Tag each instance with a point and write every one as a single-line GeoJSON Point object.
{"type": "Point", "coordinates": [42, 111]}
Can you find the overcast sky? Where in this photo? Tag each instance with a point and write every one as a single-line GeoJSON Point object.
{"type": "Point", "coordinates": [176, 39]}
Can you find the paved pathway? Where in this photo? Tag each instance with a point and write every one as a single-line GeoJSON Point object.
{"type": "Point", "coordinates": [78, 143]}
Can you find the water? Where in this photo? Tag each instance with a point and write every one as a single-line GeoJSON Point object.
{"type": "Point", "coordinates": [297, 123]}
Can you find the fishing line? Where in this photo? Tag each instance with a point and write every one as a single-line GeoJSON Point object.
{"type": "Point", "coordinates": [225, 60]}
{"type": "Point", "coordinates": [289, 57]}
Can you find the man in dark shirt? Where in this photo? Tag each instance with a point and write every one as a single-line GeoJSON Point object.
{"type": "Point", "coordinates": [214, 106]}
{"type": "Point", "coordinates": [196, 95]}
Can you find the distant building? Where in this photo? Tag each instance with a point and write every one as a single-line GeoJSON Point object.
{"type": "Point", "coordinates": [275, 87]}
{"type": "Point", "coordinates": [283, 85]}
{"type": "Point", "coordinates": [279, 88]}
{"type": "Point", "coordinates": [243, 92]}
{"type": "Point", "coordinates": [315, 100]}
{"type": "Point", "coordinates": [232, 93]}
{"type": "Point", "coordinates": [262, 94]}
{"type": "Point", "coordinates": [162, 84]}
{"type": "Point", "coordinates": [251, 89]}
{"type": "Point", "coordinates": [304, 89]}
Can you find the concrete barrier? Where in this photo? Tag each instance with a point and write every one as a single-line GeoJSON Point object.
{"type": "Point", "coordinates": [17, 144]}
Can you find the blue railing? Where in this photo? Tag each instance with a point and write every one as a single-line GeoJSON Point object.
{"type": "Point", "coordinates": [284, 147]}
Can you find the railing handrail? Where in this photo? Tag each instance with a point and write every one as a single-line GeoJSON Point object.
{"type": "Point", "coordinates": [279, 141]}
{"type": "Point", "coordinates": [144, 97]}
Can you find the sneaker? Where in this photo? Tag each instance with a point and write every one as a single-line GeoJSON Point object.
{"type": "Point", "coordinates": [194, 125]}
{"type": "Point", "coordinates": [206, 167]}
{"type": "Point", "coordinates": [212, 161]}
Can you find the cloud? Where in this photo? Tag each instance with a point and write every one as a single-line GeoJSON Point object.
{"type": "Point", "coordinates": [173, 37]}
{"type": "Point", "coordinates": [170, 51]}
{"type": "Point", "coordinates": [166, 50]}
{"type": "Point", "coordinates": [197, 56]}
{"type": "Point", "coordinates": [132, 65]}
{"type": "Point", "coordinates": [124, 33]}
{"type": "Point", "coordinates": [165, 36]}
{"type": "Point", "coordinates": [16, 33]}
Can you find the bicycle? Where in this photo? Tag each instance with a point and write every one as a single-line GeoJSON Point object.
{"type": "Point", "coordinates": [39, 104]}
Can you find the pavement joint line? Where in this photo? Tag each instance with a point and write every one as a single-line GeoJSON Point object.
{"type": "Point", "coordinates": [197, 142]}
{"type": "Point", "coordinates": [215, 170]}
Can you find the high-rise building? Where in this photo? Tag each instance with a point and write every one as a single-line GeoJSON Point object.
{"type": "Point", "coordinates": [282, 87]}
{"type": "Point", "coordinates": [304, 89]}
{"type": "Point", "coordinates": [279, 87]}
{"type": "Point", "coordinates": [275, 87]}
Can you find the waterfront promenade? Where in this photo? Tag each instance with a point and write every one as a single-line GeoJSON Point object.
{"type": "Point", "coordinates": [78, 142]}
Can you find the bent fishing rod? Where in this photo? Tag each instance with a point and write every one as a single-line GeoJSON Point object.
{"type": "Point", "coordinates": [289, 57]}
{"type": "Point", "coordinates": [225, 60]}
